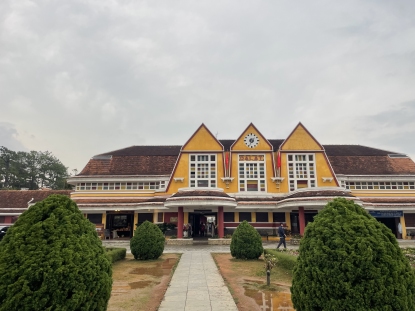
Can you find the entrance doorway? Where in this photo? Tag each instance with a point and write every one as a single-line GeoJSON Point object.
{"type": "Point", "coordinates": [391, 223]}
{"type": "Point", "coordinates": [295, 221]}
{"type": "Point", "coordinates": [203, 224]}
{"type": "Point", "coordinates": [120, 225]}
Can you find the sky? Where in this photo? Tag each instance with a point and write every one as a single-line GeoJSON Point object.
{"type": "Point", "coordinates": [83, 77]}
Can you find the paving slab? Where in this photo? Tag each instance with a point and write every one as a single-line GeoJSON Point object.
{"type": "Point", "coordinates": [203, 289]}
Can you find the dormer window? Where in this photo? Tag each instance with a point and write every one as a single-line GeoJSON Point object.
{"type": "Point", "coordinates": [202, 170]}
{"type": "Point", "coordinates": [252, 173]}
{"type": "Point", "coordinates": [301, 171]}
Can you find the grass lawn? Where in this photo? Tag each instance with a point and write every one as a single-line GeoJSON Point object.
{"type": "Point", "coordinates": [140, 285]}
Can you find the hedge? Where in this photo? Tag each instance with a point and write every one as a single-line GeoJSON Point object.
{"type": "Point", "coordinates": [246, 242]}
{"type": "Point", "coordinates": [350, 261]}
{"type": "Point", "coordinates": [285, 260]}
{"type": "Point", "coordinates": [116, 254]}
{"type": "Point", "coordinates": [52, 259]}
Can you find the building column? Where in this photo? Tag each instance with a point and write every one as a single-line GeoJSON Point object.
{"type": "Point", "coordinates": [104, 219]}
{"type": "Point", "coordinates": [180, 222]}
{"type": "Point", "coordinates": [402, 221]}
{"type": "Point", "coordinates": [135, 221]}
{"type": "Point", "coordinates": [288, 220]}
{"type": "Point", "coordinates": [301, 218]}
{"type": "Point", "coordinates": [221, 226]}
{"type": "Point", "coordinates": [155, 217]}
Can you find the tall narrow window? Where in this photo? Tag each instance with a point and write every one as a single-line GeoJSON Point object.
{"type": "Point", "coordinates": [251, 173]}
{"type": "Point", "coordinates": [301, 171]}
{"type": "Point", "coordinates": [202, 170]}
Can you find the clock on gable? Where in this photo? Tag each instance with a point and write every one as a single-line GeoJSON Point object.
{"type": "Point", "coordinates": [251, 140]}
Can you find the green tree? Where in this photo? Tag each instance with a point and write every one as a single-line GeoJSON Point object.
{"type": "Point", "coordinates": [147, 242]}
{"type": "Point", "coordinates": [32, 170]}
{"type": "Point", "coordinates": [8, 167]}
{"type": "Point", "coordinates": [246, 242]}
{"type": "Point", "coordinates": [350, 261]}
{"type": "Point", "coordinates": [52, 259]}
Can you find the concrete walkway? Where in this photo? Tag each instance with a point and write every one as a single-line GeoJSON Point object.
{"type": "Point", "coordinates": [197, 286]}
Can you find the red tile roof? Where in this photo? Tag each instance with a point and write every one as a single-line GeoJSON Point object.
{"type": "Point", "coordinates": [320, 193]}
{"type": "Point", "coordinates": [131, 165]}
{"type": "Point", "coordinates": [198, 192]}
{"type": "Point", "coordinates": [389, 200]}
{"type": "Point", "coordinates": [20, 198]}
{"type": "Point", "coordinates": [372, 165]}
{"type": "Point", "coordinates": [160, 160]}
{"type": "Point", "coordinates": [145, 151]}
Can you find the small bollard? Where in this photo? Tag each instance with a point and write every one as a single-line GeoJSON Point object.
{"type": "Point", "coordinates": [268, 277]}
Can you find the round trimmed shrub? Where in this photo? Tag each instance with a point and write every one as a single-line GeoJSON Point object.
{"type": "Point", "coordinates": [246, 242]}
{"type": "Point", "coordinates": [147, 242]}
{"type": "Point", "coordinates": [52, 259]}
{"type": "Point", "coordinates": [350, 261]}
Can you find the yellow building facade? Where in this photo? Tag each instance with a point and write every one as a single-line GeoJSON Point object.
{"type": "Point", "coordinates": [212, 185]}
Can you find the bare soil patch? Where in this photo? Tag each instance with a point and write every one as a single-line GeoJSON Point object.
{"type": "Point", "coordinates": [140, 285]}
{"type": "Point", "coordinates": [247, 281]}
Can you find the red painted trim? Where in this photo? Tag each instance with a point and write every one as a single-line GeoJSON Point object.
{"type": "Point", "coordinates": [230, 164]}
{"type": "Point", "coordinates": [191, 137]}
{"type": "Point", "coordinates": [279, 159]}
{"type": "Point", "coordinates": [174, 171]}
{"type": "Point", "coordinates": [226, 163]}
{"type": "Point", "coordinates": [201, 151]}
{"type": "Point", "coordinates": [331, 169]}
{"type": "Point", "coordinates": [255, 224]}
{"type": "Point", "coordinates": [251, 124]}
{"type": "Point", "coordinates": [298, 125]}
{"type": "Point", "coordinates": [190, 151]}
{"type": "Point", "coordinates": [252, 151]}
{"type": "Point", "coordinates": [302, 151]}
{"type": "Point", "coordinates": [167, 216]}
{"type": "Point", "coordinates": [274, 170]}
{"type": "Point", "coordinates": [221, 227]}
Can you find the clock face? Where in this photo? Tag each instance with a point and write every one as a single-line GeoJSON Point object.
{"type": "Point", "coordinates": [251, 140]}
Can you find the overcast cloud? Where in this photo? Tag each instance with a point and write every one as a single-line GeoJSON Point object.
{"type": "Point", "coordinates": [79, 78]}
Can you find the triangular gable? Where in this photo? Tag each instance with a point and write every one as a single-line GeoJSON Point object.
{"type": "Point", "coordinates": [301, 139]}
{"type": "Point", "coordinates": [261, 145]}
{"type": "Point", "coordinates": [202, 140]}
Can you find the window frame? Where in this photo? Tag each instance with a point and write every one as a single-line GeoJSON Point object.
{"type": "Point", "coordinates": [157, 185]}
{"type": "Point", "coordinates": [261, 182]}
{"type": "Point", "coordinates": [378, 185]}
{"type": "Point", "coordinates": [212, 182]}
{"type": "Point", "coordinates": [260, 216]}
{"type": "Point", "coordinates": [292, 177]}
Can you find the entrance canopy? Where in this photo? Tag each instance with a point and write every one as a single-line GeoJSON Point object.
{"type": "Point", "coordinates": [202, 197]}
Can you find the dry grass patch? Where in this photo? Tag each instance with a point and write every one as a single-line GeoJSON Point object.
{"type": "Point", "coordinates": [244, 277]}
{"type": "Point", "coordinates": [141, 285]}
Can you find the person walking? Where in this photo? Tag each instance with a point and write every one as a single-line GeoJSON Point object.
{"type": "Point", "coordinates": [281, 234]}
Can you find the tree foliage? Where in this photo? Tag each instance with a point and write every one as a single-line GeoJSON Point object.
{"type": "Point", "coordinates": [246, 242]}
{"type": "Point", "coordinates": [52, 259]}
{"type": "Point", "coordinates": [32, 170]}
{"type": "Point", "coordinates": [147, 242]}
{"type": "Point", "coordinates": [350, 261]}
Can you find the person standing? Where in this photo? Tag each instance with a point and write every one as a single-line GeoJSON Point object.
{"type": "Point", "coordinates": [281, 234]}
{"type": "Point", "coordinates": [190, 233]}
